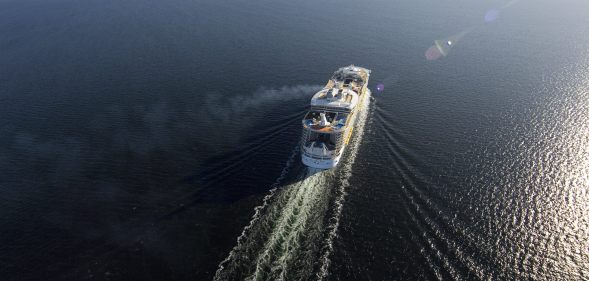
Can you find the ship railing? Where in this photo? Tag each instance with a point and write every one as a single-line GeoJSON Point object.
{"type": "Point", "coordinates": [328, 108]}
{"type": "Point", "coordinates": [315, 156]}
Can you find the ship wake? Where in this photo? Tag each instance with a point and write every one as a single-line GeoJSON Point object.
{"type": "Point", "coordinates": [292, 232]}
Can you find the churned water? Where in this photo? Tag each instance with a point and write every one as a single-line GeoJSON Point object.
{"type": "Point", "coordinates": [157, 140]}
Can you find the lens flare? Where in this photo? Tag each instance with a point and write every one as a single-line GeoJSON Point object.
{"type": "Point", "coordinates": [433, 53]}
{"type": "Point", "coordinates": [491, 15]}
{"type": "Point", "coordinates": [380, 87]}
{"type": "Point", "coordinates": [442, 47]}
{"type": "Point", "coordinates": [511, 3]}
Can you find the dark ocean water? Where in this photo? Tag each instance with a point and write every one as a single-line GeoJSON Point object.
{"type": "Point", "coordinates": [157, 140]}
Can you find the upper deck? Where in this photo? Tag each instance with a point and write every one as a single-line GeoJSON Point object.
{"type": "Point", "coordinates": [343, 99]}
{"type": "Point", "coordinates": [343, 89]}
{"type": "Point", "coordinates": [334, 121]}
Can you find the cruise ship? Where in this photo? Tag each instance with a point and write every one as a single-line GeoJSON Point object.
{"type": "Point", "coordinates": [328, 126]}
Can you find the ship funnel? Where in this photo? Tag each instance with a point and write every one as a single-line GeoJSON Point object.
{"type": "Point", "coordinates": [324, 120]}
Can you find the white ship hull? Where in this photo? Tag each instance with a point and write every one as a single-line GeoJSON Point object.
{"type": "Point", "coordinates": [329, 125]}
{"type": "Point", "coordinates": [322, 163]}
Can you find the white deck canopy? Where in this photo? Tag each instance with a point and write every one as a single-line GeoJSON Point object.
{"type": "Point", "coordinates": [336, 98]}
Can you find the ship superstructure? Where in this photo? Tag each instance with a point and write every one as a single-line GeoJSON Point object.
{"type": "Point", "coordinates": [329, 124]}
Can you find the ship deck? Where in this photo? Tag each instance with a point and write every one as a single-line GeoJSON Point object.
{"type": "Point", "coordinates": [337, 121]}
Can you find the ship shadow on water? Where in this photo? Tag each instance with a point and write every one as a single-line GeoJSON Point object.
{"type": "Point", "coordinates": [235, 181]}
{"type": "Point", "coordinates": [249, 170]}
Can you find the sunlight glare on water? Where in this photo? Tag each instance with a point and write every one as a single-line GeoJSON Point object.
{"type": "Point", "coordinates": [544, 228]}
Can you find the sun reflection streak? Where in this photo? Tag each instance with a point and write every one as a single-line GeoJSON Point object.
{"type": "Point", "coordinates": [554, 232]}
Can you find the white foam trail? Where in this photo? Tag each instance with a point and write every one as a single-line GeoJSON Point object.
{"type": "Point", "coordinates": [339, 202]}
{"type": "Point", "coordinates": [291, 222]}
{"type": "Point", "coordinates": [269, 250]}
{"type": "Point", "coordinates": [257, 212]}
